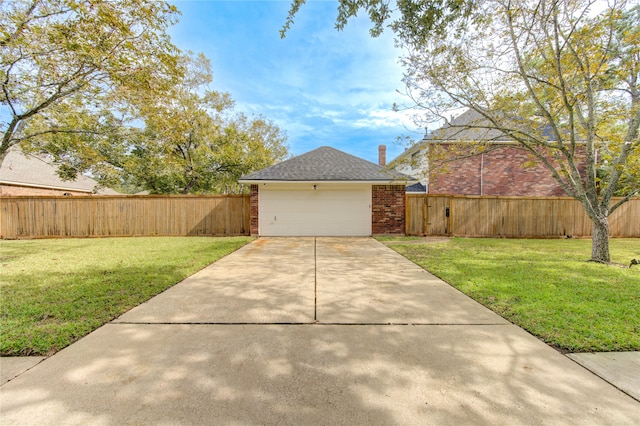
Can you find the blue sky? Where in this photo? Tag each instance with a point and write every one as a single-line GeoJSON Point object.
{"type": "Point", "coordinates": [321, 86]}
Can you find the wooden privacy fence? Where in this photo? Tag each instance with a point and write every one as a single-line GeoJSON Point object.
{"type": "Point", "coordinates": [512, 217]}
{"type": "Point", "coordinates": [465, 216]}
{"type": "Point", "coordinates": [100, 216]}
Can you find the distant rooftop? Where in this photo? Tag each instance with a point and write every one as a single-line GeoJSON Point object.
{"type": "Point", "coordinates": [37, 171]}
{"type": "Point", "coordinates": [468, 126]}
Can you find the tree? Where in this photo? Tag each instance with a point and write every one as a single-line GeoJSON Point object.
{"type": "Point", "coordinates": [192, 142]}
{"type": "Point", "coordinates": [255, 143]}
{"type": "Point", "coordinates": [416, 20]}
{"type": "Point", "coordinates": [72, 70]}
{"type": "Point", "coordinates": [558, 77]}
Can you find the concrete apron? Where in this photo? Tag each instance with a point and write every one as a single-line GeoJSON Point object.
{"type": "Point", "coordinates": [210, 351]}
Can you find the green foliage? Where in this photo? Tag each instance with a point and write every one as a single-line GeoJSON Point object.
{"type": "Point", "coordinates": [558, 79]}
{"type": "Point", "coordinates": [78, 77]}
{"type": "Point", "coordinates": [417, 19]}
{"type": "Point", "coordinates": [192, 142]}
{"type": "Point", "coordinates": [546, 287]}
{"type": "Point", "coordinates": [56, 291]}
{"type": "Point", "coordinates": [71, 71]}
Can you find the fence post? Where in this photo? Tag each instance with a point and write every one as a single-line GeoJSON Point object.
{"type": "Point", "coordinates": [424, 215]}
{"type": "Point", "coordinates": [450, 217]}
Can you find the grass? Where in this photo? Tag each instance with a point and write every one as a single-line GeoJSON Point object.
{"type": "Point", "coordinates": [546, 287]}
{"type": "Point", "coordinates": [387, 238]}
{"type": "Point", "coordinates": [53, 292]}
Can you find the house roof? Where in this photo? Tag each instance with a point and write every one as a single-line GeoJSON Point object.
{"type": "Point", "coordinates": [417, 187]}
{"type": "Point", "coordinates": [326, 164]}
{"type": "Point", "coordinates": [37, 171]}
{"type": "Point", "coordinates": [467, 127]}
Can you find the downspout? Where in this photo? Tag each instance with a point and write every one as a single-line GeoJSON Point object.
{"type": "Point", "coordinates": [481, 171]}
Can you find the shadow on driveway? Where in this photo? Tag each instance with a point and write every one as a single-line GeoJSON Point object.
{"type": "Point", "coordinates": [208, 351]}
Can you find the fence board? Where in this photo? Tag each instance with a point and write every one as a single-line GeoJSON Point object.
{"type": "Point", "coordinates": [416, 215]}
{"type": "Point", "coordinates": [512, 217]}
{"type": "Point", "coordinates": [438, 223]}
{"type": "Point", "coordinates": [100, 216]}
{"type": "Point", "coordinates": [472, 216]}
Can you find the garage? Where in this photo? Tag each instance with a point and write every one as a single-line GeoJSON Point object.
{"type": "Point", "coordinates": [326, 192]}
{"type": "Point", "coordinates": [318, 209]}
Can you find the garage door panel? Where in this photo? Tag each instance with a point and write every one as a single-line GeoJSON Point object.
{"type": "Point", "coordinates": [311, 212]}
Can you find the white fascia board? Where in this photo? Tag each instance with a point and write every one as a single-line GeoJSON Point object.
{"type": "Point", "coordinates": [333, 182]}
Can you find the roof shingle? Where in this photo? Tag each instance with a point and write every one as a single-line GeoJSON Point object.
{"type": "Point", "coordinates": [326, 164]}
{"type": "Point", "coordinates": [36, 170]}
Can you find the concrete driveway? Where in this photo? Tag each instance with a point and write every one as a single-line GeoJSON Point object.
{"type": "Point", "coordinates": [311, 331]}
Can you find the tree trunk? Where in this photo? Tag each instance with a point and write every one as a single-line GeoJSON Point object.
{"type": "Point", "coordinates": [189, 185]}
{"type": "Point", "coordinates": [600, 241]}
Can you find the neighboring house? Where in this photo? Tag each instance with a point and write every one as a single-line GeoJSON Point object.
{"type": "Point", "coordinates": [22, 174]}
{"type": "Point", "coordinates": [326, 192]}
{"type": "Point", "coordinates": [440, 163]}
{"type": "Point", "coordinates": [416, 188]}
{"type": "Point", "coordinates": [414, 162]}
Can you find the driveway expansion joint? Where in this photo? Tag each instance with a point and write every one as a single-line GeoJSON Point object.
{"type": "Point", "coordinates": [307, 323]}
{"type": "Point", "coordinates": [395, 345]}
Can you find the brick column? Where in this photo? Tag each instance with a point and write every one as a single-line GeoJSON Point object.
{"type": "Point", "coordinates": [388, 209]}
{"type": "Point", "coordinates": [253, 209]}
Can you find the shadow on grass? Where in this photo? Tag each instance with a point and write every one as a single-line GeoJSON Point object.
{"type": "Point", "coordinates": [61, 313]}
{"type": "Point", "coordinates": [571, 304]}
{"type": "Point", "coordinates": [56, 291]}
{"type": "Point", "coordinates": [205, 373]}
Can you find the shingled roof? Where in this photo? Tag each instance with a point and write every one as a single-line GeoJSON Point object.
{"type": "Point", "coordinates": [326, 164]}
{"type": "Point", "coordinates": [34, 170]}
{"type": "Point", "coordinates": [469, 126]}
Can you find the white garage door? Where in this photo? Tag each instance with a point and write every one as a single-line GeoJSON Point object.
{"type": "Point", "coordinates": [328, 210]}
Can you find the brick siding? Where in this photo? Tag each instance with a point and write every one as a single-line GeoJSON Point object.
{"type": "Point", "coordinates": [253, 210]}
{"type": "Point", "coordinates": [498, 172]}
{"type": "Point", "coordinates": [388, 209]}
{"type": "Point", "coordinates": [14, 190]}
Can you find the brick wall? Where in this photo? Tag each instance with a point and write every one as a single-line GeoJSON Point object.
{"type": "Point", "coordinates": [14, 190]}
{"type": "Point", "coordinates": [388, 209]}
{"type": "Point", "coordinates": [253, 209]}
{"type": "Point", "coordinates": [501, 171]}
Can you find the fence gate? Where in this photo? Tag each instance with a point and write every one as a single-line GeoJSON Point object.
{"type": "Point", "coordinates": [428, 215]}
{"type": "Point", "coordinates": [439, 212]}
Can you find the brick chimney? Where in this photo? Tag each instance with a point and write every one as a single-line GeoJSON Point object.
{"type": "Point", "coordinates": [382, 155]}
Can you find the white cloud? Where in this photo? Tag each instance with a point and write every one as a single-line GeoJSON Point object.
{"type": "Point", "coordinates": [383, 118]}
{"type": "Point", "coordinates": [322, 86]}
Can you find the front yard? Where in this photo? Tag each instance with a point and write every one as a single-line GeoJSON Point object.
{"type": "Point", "coordinates": [55, 291]}
{"type": "Point", "coordinates": [545, 286]}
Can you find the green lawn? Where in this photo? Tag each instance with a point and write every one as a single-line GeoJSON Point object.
{"type": "Point", "coordinates": [53, 292]}
{"type": "Point", "coordinates": [546, 286]}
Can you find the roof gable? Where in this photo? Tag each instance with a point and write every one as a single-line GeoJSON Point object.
{"type": "Point", "coordinates": [325, 164]}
